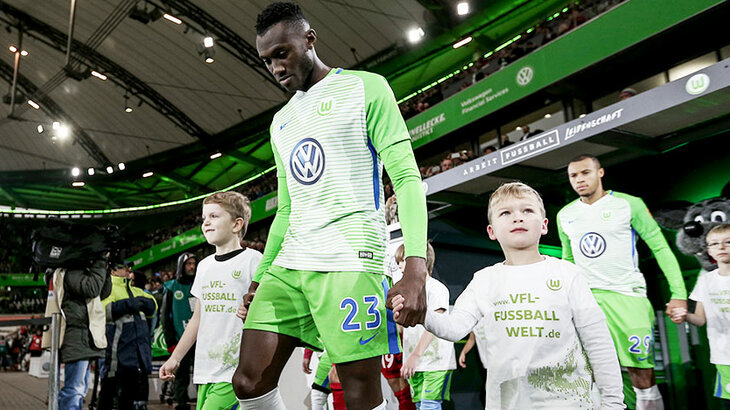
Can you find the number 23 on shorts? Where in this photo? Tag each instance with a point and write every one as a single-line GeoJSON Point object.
{"type": "Point", "coordinates": [349, 324]}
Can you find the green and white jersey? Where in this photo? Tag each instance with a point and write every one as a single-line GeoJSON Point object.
{"type": "Point", "coordinates": [326, 142]}
{"type": "Point", "coordinates": [601, 239]}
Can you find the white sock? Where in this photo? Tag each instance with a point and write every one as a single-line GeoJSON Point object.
{"type": "Point", "coordinates": [381, 406]}
{"type": "Point", "coordinates": [649, 399]}
{"type": "Point", "coordinates": [319, 400]}
{"type": "Point", "coordinates": [269, 401]}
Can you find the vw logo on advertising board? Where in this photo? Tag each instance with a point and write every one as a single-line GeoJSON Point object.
{"type": "Point", "coordinates": [307, 161]}
{"type": "Point", "coordinates": [592, 245]}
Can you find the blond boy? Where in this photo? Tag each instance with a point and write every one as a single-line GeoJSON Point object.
{"type": "Point", "coordinates": [547, 338]}
{"type": "Point", "coordinates": [220, 283]}
{"type": "Point", "coordinates": [712, 294]}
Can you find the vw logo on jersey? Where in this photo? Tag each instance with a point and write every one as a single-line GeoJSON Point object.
{"type": "Point", "coordinates": [307, 161]}
{"type": "Point", "coordinates": [592, 245]}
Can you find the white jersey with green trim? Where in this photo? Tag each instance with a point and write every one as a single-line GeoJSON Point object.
{"type": "Point", "coordinates": [326, 142]}
{"type": "Point", "coordinates": [601, 239]}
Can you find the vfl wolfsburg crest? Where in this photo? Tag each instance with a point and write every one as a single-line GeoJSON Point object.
{"type": "Point", "coordinates": [554, 284]}
{"type": "Point", "coordinates": [697, 84]}
{"type": "Point", "coordinates": [325, 107]}
{"type": "Point", "coordinates": [606, 215]}
{"type": "Point", "coordinates": [236, 274]}
{"type": "Point", "coordinates": [179, 294]}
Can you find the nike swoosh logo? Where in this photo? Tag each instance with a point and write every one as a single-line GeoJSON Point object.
{"type": "Point", "coordinates": [642, 359]}
{"type": "Point", "coordinates": [366, 341]}
{"type": "Point", "coordinates": [429, 391]}
{"type": "Point", "coordinates": [281, 127]}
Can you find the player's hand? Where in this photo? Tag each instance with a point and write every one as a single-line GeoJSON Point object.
{"type": "Point", "coordinates": [247, 299]}
{"type": "Point", "coordinates": [675, 303]}
{"type": "Point", "coordinates": [398, 302]}
{"type": "Point", "coordinates": [241, 312]}
{"type": "Point", "coordinates": [678, 315]}
{"type": "Point", "coordinates": [305, 365]}
{"type": "Point", "coordinates": [408, 369]}
{"type": "Point", "coordinates": [413, 290]}
{"type": "Point", "coordinates": [167, 370]}
{"type": "Point", "coordinates": [462, 360]}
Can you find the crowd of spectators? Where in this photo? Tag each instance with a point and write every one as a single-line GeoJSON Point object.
{"type": "Point", "coordinates": [17, 346]}
{"type": "Point", "coordinates": [530, 40]}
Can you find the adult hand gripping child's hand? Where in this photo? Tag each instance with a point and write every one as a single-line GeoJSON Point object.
{"type": "Point", "coordinates": [412, 288]}
{"type": "Point", "coordinates": [167, 370]}
{"type": "Point", "coordinates": [677, 314]}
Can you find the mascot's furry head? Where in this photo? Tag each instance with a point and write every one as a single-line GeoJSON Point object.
{"type": "Point", "coordinates": [692, 222]}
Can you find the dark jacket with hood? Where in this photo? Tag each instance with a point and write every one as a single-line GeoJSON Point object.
{"type": "Point", "coordinates": [177, 303]}
{"type": "Point", "coordinates": [80, 285]}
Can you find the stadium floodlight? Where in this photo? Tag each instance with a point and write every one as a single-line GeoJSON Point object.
{"type": "Point", "coordinates": [415, 35]}
{"type": "Point", "coordinates": [208, 42]}
{"type": "Point", "coordinates": [63, 131]}
{"type": "Point", "coordinates": [121, 166]}
{"type": "Point", "coordinates": [148, 174]}
{"type": "Point", "coordinates": [75, 171]}
{"type": "Point", "coordinates": [34, 104]}
{"type": "Point", "coordinates": [462, 42]}
{"type": "Point", "coordinates": [462, 8]}
{"type": "Point", "coordinates": [170, 17]}
{"type": "Point", "coordinates": [91, 171]}
{"type": "Point", "coordinates": [98, 75]}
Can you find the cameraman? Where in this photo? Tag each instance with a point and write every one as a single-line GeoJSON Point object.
{"type": "Point", "coordinates": [78, 293]}
{"type": "Point", "coordinates": [129, 358]}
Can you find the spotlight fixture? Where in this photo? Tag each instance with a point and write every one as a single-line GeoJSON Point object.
{"type": "Point", "coordinates": [98, 75]}
{"type": "Point", "coordinates": [209, 54]}
{"type": "Point", "coordinates": [462, 8]}
{"type": "Point", "coordinates": [208, 42]}
{"type": "Point", "coordinates": [121, 166]}
{"type": "Point", "coordinates": [581, 116]}
{"type": "Point", "coordinates": [109, 169]}
{"type": "Point", "coordinates": [90, 171]}
{"type": "Point", "coordinates": [24, 53]}
{"type": "Point", "coordinates": [34, 104]}
{"type": "Point", "coordinates": [13, 49]}
{"type": "Point", "coordinates": [216, 155]}
{"type": "Point", "coordinates": [462, 42]}
{"type": "Point", "coordinates": [415, 35]}
{"type": "Point", "coordinates": [56, 125]}
{"type": "Point", "coordinates": [75, 171]}
{"type": "Point", "coordinates": [78, 184]}
{"type": "Point", "coordinates": [127, 107]}
{"type": "Point", "coordinates": [40, 128]}
{"type": "Point", "coordinates": [548, 115]}
{"type": "Point", "coordinates": [148, 174]}
{"type": "Point", "coordinates": [171, 18]}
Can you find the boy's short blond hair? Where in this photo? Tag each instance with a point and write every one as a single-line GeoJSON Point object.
{"type": "Point", "coordinates": [400, 254]}
{"type": "Point", "coordinates": [235, 204]}
{"type": "Point", "coordinates": [722, 228]}
{"type": "Point", "coordinates": [513, 190]}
